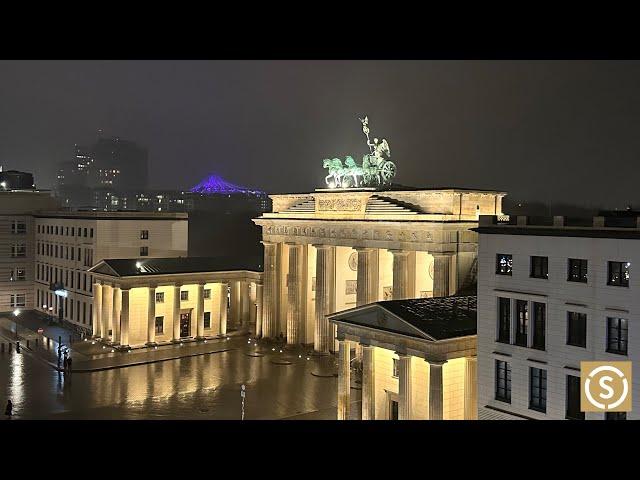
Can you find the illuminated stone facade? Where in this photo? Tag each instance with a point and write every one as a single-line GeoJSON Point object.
{"type": "Point", "coordinates": [331, 250]}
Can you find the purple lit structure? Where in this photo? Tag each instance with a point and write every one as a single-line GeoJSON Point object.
{"type": "Point", "coordinates": [215, 184]}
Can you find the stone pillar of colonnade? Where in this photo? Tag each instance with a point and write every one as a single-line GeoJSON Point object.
{"type": "Point", "coordinates": [259, 307]}
{"type": "Point", "coordinates": [97, 310]}
{"type": "Point", "coordinates": [404, 387]}
{"type": "Point", "coordinates": [367, 283]}
{"type": "Point", "coordinates": [295, 297]}
{"type": "Point", "coordinates": [117, 303]}
{"type": "Point", "coordinates": [107, 311]}
{"type": "Point", "coordinates": [436, 391]}
{"type": "Point", "coordinates": [470, 388]}
{"type": "Point", "coordinates": [325, 297]}
{"type": "Point", "coordinates": [270, 290]}
{"type": "Point", "coordinates": [245, 303]}
{"type": "Point", "coordinates": [124, 318]}
{"type": "Point", "coordinates": [344, 379]}
{"type": "Point", "coordinates": [151, 316]}
{"type": "Point", "coordinates": [200, 312]}
{"type": "Point", "coordinates": [224, 305]}
{"type": "Point", "coordinates": [252, 306]}
{"type": "Point", "coordinates": [234, 305]}
{"type": "Point", "coordinates": [176, 313]}
{"type": "Point", "coordinates": [368, 382]}
{"type": "Point", "coordinates": [403, 274]}
{"type": "Point", "coordinates": [442, 286]}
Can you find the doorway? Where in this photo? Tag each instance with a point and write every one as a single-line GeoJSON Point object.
{"type": "Point", "coordinates": [185, 325]}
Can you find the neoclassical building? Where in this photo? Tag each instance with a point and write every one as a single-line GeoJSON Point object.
{"type": "Point", "coordinates": [336, 249]}
{"type": "Point", "coordinates": [418, 359]}
{"type": "Point", "coordinates": [151, 301]}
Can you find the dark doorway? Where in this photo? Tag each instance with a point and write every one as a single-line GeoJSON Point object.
{"type": "Point", "coordinates": [394, 410]}
{"type": "Point", "coordinates": [185, 325]}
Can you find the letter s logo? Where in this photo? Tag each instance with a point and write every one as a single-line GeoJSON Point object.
{"type": "Point", "coordinates": [604, 384]}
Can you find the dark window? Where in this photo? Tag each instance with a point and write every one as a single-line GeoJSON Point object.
{"type": "Point", "coordinates": [207, 319]}
{"type": "Point", "coordinates": [159, 324]}
{"type": "Point", "coordinates": [85, 233]}
{"type": "Point", "coordinates": [504, 320]}
{"type": "Point", "coordinates": [618, 274]}
{"type": "Point", "coordinates": [540, 267]}
{"type": "Point", "coordinates": [615, 415]}
{"type": "Point", "coordinates": [522, 322]}
{"type": "Point", "coordinates": [539, 314]}
{"type": "Point", "coordinates": [577, 271]}
{"type": "Point", "coordinates": [144, 234]}
{"type": "Point", "coordinates": [538, 389]}
{"type": "Point", "coordinates": [159, 297]}
{"type": "Point", "coordinates": [184, 295]}
{"type": "Point", "coordinates": [503, 381]}
{"type": "Point", "coordinates": [73, 230]}
{"type": "Point", "coordinates": [207, 293]}
{"type": "Point", "coordinates": [504, 264]}
{"type": "Point", "coordinates": [396, 367]}
{"type": "Point", "coordinates": [144, 251]}
{"type": "Point", "coordinates": [91, 233]}
{"type": "Point", "coordinates": [573, 398]}
{"type": "Point", "coordinates": [617, 335]}
{"type": "Point", "coordinates": [577, 329]}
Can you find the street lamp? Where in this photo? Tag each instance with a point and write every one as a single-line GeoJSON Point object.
{"type": "Point", "coordinates": [16, 312]}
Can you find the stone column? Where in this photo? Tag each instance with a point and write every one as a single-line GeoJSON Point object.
{"type": "Point", "coordinates": [224, 305]}
{"type": "Point", "coordinates": [295, 307]}
{"type": "Point", "coordinates": [470, 388]}
{"type": "Point", "coordinates": [124, 318]}
{"type": "Point", "coordinates": [325, 297]}
{"type": "Point", "coordinates": [176, 313]}
{"type": "Point", "coordinates": [404, 387]}
{"type": "Point", "coordinates": [107, 311]}
{"type": "Point", "coordinates": [245, 303]}
{"type": "Point", "coordinates": [401, 274]}
{"type": "Point", "coordinates": [252, 304]}
{"type": "Point", "coordinates": [234, 305]}
{"type": "Point", "coordinates": [259, 309]}
{"type": "Point", "coordinates": [151, 317]}
{"type": "Point", "coordinates": [200, 312]}
{"type": "Point", "coordinates": [271, 290]}
{"type": "Point", "coordinates": [436, 391]}
{"type": "Point", "coordinates": [442, 275]}
{"type": "Point", "coordinates": [97, 310]}
{"type": "Point", "coordinates": [367, 288]}
{"type": "Point", "coordinates": [368, 383]}
{"type": "Point", "coordinates": [116, 302]}
{"type": "Point", "coordinates": [344, 379]}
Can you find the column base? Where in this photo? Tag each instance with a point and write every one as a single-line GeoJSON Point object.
{"type": "Point", "coordinates": [151, 344]}
{"type": "Point", "coordinates": [177, 340]}
{"type": "Point", "coordinates": [200, 339]}
{"type": "Point", "coordinates": [123, 348]}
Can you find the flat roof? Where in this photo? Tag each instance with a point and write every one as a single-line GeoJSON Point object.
{"type": "Point", "coordinates": [127, 267]}
{"type": "Point", "coordinates": [121, 215]}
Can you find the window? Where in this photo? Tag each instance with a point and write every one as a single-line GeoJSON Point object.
{"type": "Point", "coordinates": [207, 319]}
{"type": "Point", "coordinates": [184, 295]}
{"type": "Point", "coordinates": [18, 227]}
{"type": "Point", "coordinates": [207, 293]}
{"type": "Point", "coordinates": [73, 229]}
{"type": "Point", "coordinates": [538, 389]}
{"type": "Point", "coordinates": [573, 399]}
{"type": "Point", "coordinates": [577, 270]}
{"type": "Point", "coordinates": [540, 267]}
{"type": "Point", "coordinates": [159, 297]}
{"type": "Point", "coordinates": [396, 367]}
{"type": "Point", "coordinates": [91, 233]}
{"type": "Point", "coordinates": [85, 233]}
{"type": "Point", "coordinates": [18, 274]}
{"type": "Point", "coordinates": [18, 300]}
{"type": "Point", "coordinates": [618, 275]}
{"type": "Point", "coordinates": [503, 381]}
{"type": "Point", "coordinates": [522, 322]}
{"type": "Point", "coordinates": [159, 324]}
{"type": "Point", "coordinates": [617, 335]}
{"type": "Point", "coordinates": [504, 264]}
{"type": "Point", "coordinates": [504, 320]}
{"type": "Point", "coordinates": [144, 234]}
{"type": "Point", "coordinates": [577, 329]}
{"type": "Point", "coordinates": [18, 250]}
{"type": "Point", "coordinates": [615, 415]}
{"type": "Point", "coordinates": [539, 313]}
{"type": "Point", "coordinates": [144, 251]}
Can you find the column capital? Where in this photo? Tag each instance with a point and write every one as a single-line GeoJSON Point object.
{"type": "Point", "coordinates": [442, 254]}
{"type": "Point", "coordinates": [293, 244]}
{"type": "Point", "coordinates": [367, 346]}
{"type": "Point", "coordinates": [321, 246]}
{"type": "Point", "coordinates": [398, 252]}
{"type": "Point", "coordinates": [435, 363]}
{"type": "Point", "coordinates": [268, 243]}
{"type": "Point", "coordinates": [152, 287]}
{"type": "Point", "coordinates": [364, 249]}
{"type": "Point", "coordinates": [125, 289]}
{"type": "Point", "coordinates": [402, 354]}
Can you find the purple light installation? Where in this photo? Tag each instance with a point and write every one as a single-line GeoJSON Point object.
{"type": "Point", "coordinates": [215, 184]}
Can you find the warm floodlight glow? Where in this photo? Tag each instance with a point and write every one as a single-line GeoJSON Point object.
{"type": "Point", "coordinates": [16, 312]}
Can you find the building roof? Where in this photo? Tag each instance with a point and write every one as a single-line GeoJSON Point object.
{"type": "Point", "coordinates": [118, 215]}
{"type": "Point", "coordinates": [128, 267]}
{"type": "Point", "coordinates": [436, 318]}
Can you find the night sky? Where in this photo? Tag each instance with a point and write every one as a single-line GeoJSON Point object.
{"type": "Point", "coordinates": [561, 131]}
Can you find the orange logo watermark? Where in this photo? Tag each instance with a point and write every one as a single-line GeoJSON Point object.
{"type": "Point", "coordinates": [605, 386]}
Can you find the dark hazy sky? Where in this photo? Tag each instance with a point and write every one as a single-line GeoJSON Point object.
{"type": "Point", "coordinates": [554, 131]}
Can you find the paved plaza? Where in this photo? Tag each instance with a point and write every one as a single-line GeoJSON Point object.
{"type": "Point", "coordinates": [192, 381]}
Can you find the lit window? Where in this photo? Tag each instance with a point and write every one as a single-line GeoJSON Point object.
{"type": "Point", "coordinates": [159, 297]}
{"type": "Point", "coordinates": [618, 274]}
{"type": "Point", "coordinates": [504, 264]}
{"type": "Point", "coordinates": [617, 335]}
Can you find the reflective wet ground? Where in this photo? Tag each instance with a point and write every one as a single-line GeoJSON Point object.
{"type": "Point", "coordinates": [278, 385]}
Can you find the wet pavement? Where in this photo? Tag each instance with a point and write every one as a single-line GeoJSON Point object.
{"type": "Point", "coordinates": [207, 385]}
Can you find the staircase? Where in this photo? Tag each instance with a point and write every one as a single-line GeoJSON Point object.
{"type": "Point", "coordinates": [378, 205]}
{"type": "Point", "coordinates": [306, 206]}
